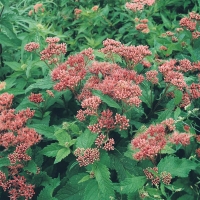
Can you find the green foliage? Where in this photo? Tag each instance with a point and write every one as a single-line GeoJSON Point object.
{"type": "Point", "coordinates": [102, 175]}
{"type": "Point", "coordinates": [131, 185]}
{"type": "Point", "coordinates": [68, 141]}
{"type": "Point", "coordinates": [176, 166]}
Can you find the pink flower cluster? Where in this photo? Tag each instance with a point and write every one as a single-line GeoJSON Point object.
{"type": "Point", "coordinates": [198, 152]}
{"type": "Point", "coordinates": [190, 23]}
{"type": "Point", "coordinates": [32, 46]}
{"type": "Point", "coordinates": [107, 122]}
{"type": "Point", "coordinates": [186, 100]}
{"type": "Point", "coordinates": [106, 144]}
{"type": "Point", "coordinates": [53, 50]}
{"type": "Point", "coordinates": [86, 156]}
{"type": "Point", "coordinates": [180, 138]}
{"type": "Point", "coordinates": [16, 138]}
{"type": "Point", "coordinates": [120, 84]}
{"type": "Point", "coordinates": [142, 25]}
{"type": "Point", "coordinates": [36, 98]}
{"type": "Point", "coordinates": [152, 76]}
{"type": "Point", "coordinates": [91, 105]}
{"type": "Point", "coordinates": [156, 178]}
{"type": "Point", "coordinates": [131, 54]}
{"type": "Point", "coordinates": [149, 143]}
{"type": "Point", "coordinates": [171, 73]}
{"type": "Point", "coordinates": [69, 73]}
{"type": "Point", "coordinates": [138, 5]}
{"type": "Point", "coordinates": [195, 90]}
{"type": "Point", "coordinates": [17, 187]}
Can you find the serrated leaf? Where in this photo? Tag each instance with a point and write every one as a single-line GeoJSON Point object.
{"type": "Point", "coordinates": [72, 190]}
{"type": "Point", "coordinates": [45, 83]}
{"type": "Point", "coordinates": [62, 136]}
{"type": "Point", "coordinates": [62, 153]}
{"type": "Point", "coordinates": [106, 99]}
{"type": "Point", "coordinates": [86, 139]}
{"type": "Point", "coordinates": [92, 191]}
{"type": "Point", "coordinates": [176, 166]}
{"type": "Point", "coordinates": [164, 115]}
{"type": "Point", "coordinates": [43, 129]}
{"type": "Point", "coordinates": [131, 185]}
{"type": "Point", "coordinates": [102, 176]}
{"type": "Point", "coordinates": [47, 192]}
{"type": "Point", "coordinates": [74, 128]}
{"type": "Point", "coordinates": [51, 150]}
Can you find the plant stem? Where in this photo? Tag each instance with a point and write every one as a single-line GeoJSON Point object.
{"type": "Point", "coordinates": [1, 11]}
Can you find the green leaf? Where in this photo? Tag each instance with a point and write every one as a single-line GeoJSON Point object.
{"type": "Point", "coordinates": [186, 196]}
{"type": "Point", "coordinates": [124, 166]}
{"type": "Point", "coordinates": [177, 113]}
{"type": "Point", "coordinates": [74, 128]}
{"type": "Point", "coordinates": [47, 131]}
{"type": "Point", "coordinates": [92, 191]}
{"type": "Point", "coordinates": [72, 190]}
{"type": "Point", "coordinates": [25, 103]}
{"type": "Point", "coordinates": [131, 185]}
{"type": "Point", "coordinates": [62, 136]}
{"type": "Point", "coordinates": [102, 176]}
{"type": "Point", "coordinates": [105, 10]}
{"type": "Point", "coordinates": [14, 65]}
{"type": "Point", "coordinates": [85, 178]}
{"type": "Point", "coordinates": [47, 192]}
{"type": "Point", "coordinates": [4, 162]}
{"type": "Point", "coordinates": [106, 99]}
{"type": "Point", "coordinates": [62, 153]}
{"type": "Point", "coordinates": [146, 93]}
{"type": "Point", "coordinates": [167, 150]}
{"type": "Point", "coordinates": [45, 83]}
{"type": "Point", "coordinates": [154, 192]}
{"type": "Point", "coordinates": [51, 150]}
{"type": "Point", "coordinates": [31, 167]}
{"type": "Point", "coordinates": [5, 40]}
{"type": "Point", "coordinates": [176, 166]}
{"type": "Point", "coordinates": [178, 96]}
{"type": "Point", "coordinates": [86, 139]}
{"type": "Point", "coordinates": [164, 115]}
{"type": "Point", "coordinates": [166, 22]}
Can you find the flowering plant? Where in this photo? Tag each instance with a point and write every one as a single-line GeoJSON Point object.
{"type": "Point", "coordinates": [117, 120]}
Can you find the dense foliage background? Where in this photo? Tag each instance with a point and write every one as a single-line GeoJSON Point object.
{"type": "Point", "coordinates": [99, 99]}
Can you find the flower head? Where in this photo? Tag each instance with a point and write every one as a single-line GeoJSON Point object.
{"type": "Point", "coordinates": [32, 46]}
{"type": "Point", "coordinates": [36, 98]}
